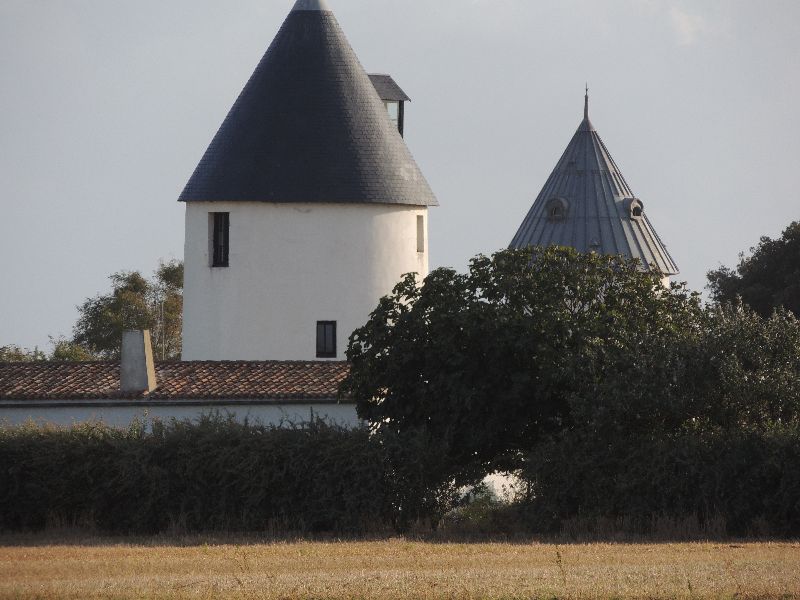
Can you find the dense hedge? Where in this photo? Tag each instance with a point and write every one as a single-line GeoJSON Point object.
{"type": "Point", "coordinates": [211, 475]}
{"type": "Point", "coordinates": [217, 475]}
{"type": "Point", "coordinates": [705, 426]}
{"type": "Point", "coordinates": [747, 481]}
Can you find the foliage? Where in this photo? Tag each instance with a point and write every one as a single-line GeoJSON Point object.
{"type": "Point", "coordinates": [746, 369]}
{"type": "Point", "coordinates": [65, 350]}
{"type": "Point", "coordinates": [215, 474]}
{"type": "Point", "coordinates": [481, 513]}
{"type": "Point", "coordinates": [730, 369]}
{"type": "Point", "coordinates": [767, 279]}
{"type": "Point", "coordinates": [748, 478]}
{"type": "Point", "coordinates": [416, 492]}
{"type": "Point", "coordinates": [611, 395]}
{"type": "Point", "coordinates": [14, 353]}
{"type": "Point", "coordinates": [134, 303]}
{"type": "Point", "coordinates": [486, 363]}
{"type": "Point", "coordinates": [714, 433]}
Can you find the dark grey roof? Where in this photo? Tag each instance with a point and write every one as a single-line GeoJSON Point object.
{"type": "Point", "coordinates": [586, 204]}
{"type": "Point", "coordinates": [387, 88]}
{"type": "Point", "coordinates": [309, 127]}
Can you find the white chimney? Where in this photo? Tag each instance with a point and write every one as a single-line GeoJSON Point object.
{"type": "Point", "coordinates": [137, 370]}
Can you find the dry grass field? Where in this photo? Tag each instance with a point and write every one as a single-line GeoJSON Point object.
{"type": "Point", "coordinates": [37, 568]}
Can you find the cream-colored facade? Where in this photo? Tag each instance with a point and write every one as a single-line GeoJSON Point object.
{"type": "Point", "coordinates": [290, 266]}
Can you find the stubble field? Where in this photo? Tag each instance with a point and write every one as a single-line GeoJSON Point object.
{"type": "Point", "coordinates": [31, 568]}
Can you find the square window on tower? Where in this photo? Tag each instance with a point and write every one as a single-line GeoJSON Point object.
{"type": "Point", "coordinates": [326, 339]}
{"type": "Point", "coordinates": [393, 108]}
{"type": "Point", "coordinates": [393, 97]}
{"type": "Point", "coordinates": [220, 225]}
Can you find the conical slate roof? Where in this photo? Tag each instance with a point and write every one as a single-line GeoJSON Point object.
{"type": "Point", "coordinates": [309, 127]}
{"type": "Point", "coordinates": [586, 204]}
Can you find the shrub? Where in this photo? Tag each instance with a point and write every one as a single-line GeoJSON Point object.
{"type": "Point", "coordinates": [749, 479]}
{"type": "Point", "coordinates": [214, 474]}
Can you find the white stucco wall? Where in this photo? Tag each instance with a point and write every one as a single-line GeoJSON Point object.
{"type": "Point", "coordinates": [122, 415]}
{"type": "Point", "coordinates": [292, 265]}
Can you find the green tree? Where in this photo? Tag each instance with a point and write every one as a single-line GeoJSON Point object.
{"type": "Point", "coordinates": [134, 303]}
{"type": "Point", "coordinates": [746, 369]}
{"type": "Point", "coordinates": [487, 363]}
{"type": "Point", "coordinates": [167, 303]}
{"type": "Point", "coordinates": [767, 279]}
{"type": "Point", "coordinates": [13, 353]}
{"type": "Point", "coordinates": [65, 350]}
{"type": "Point", "coordinates": [707, 431]}
{"type": "Point", "coordinates": [610, 394]}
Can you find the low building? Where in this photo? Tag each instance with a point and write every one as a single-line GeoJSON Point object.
{"type": "Point", "coordinates": [117, 393]}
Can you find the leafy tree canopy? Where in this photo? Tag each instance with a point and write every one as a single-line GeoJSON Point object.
{"type": "Point", "coordinates": [488, 362]}
{"type": "Point", "coordinates": [477, 370]}
{"type": "Point", "coordinates": [767, 279]}
{"type": "Point", "coordinates": [14, 353]}
{"type": "Point", "coordinates": [65, 350]}
{"type": "Point", "coordinates": [134, 303]}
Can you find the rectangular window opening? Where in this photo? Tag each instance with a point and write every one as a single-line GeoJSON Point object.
{"type": "Point", "coordinates": [220, 223]}
{"type": "Point", "coordinates": [396, 112]}
{"type": "Point", "coordinates": [420, 233]}
{"type": "Point", "coordinates": [326, 339]}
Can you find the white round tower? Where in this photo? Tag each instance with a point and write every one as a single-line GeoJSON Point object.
{"type": "Point", "coordinates": [306, 208]}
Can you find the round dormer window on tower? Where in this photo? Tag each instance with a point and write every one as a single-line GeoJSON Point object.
{"type": "Point", "coordinates": [634, 208]}
{"type": "Point", "coordinates": [557, 209]}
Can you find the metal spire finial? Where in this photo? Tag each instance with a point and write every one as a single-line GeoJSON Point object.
{"type": "Point", "coordinates": [586, 103]}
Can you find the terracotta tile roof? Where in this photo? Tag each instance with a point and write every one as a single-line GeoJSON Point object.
{"type": "Point", "coordinates": [240, 380]}
{"type": "Point", "coordinates": [245, 380]}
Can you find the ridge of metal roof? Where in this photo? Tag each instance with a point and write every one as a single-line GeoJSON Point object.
{"type": "Point", "coordinates": [597, 207]}
{"type": "Point", "coordinates": [309, 127]}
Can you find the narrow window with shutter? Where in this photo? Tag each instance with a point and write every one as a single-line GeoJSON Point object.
{"type": "Point", "coordinates": [326, 339]}
{"type": "Point", "coordinates": [220, 239]}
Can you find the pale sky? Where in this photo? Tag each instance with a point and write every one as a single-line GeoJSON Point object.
{"type": "Point", "coordinates": [107, 106]}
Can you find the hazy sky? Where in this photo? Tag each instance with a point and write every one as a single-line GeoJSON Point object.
{"type": "Point", "coordinates": [106, 106]}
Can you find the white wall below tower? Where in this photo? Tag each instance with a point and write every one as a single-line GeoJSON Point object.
{"type": "Point", "coordinates": [292, 265]}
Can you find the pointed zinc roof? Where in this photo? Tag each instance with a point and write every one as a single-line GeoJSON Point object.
{"type": "Point", "coordinates": [309, 127]}
{"type": "Point", "coordinates": [586, 204]}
